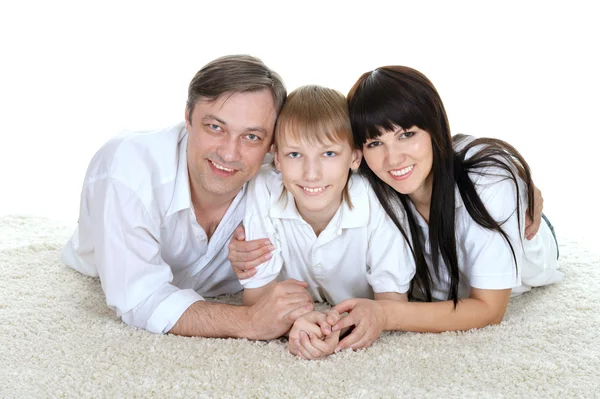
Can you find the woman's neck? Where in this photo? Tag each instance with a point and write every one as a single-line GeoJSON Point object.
{"type": "Point", "coordinates": [421, 198]}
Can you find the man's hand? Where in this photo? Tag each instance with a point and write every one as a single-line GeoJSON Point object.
{"type": "Point", "coordinates": [368, 318]}
{"type": "Point", "coordinates": [311, 337]}
{"type": "Point", "coordinates": [276, 311]}
{"type": "Point", "coordinates": [246, 255]}
{"type": "Point", "coordinates": [533, 225]}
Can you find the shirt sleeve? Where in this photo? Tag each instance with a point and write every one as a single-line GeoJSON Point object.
{"type": "Point", "coordinates": [258, 224]}
{"type": "Point", "coordinates": [489, 262]}
{"type": "Point", "coordinates": [389, 258]}
{"type": "Point", "coordinates": [134, 277]}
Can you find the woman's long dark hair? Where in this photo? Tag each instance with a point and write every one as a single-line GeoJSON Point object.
{"type": "Point", "coordinates": [397, 96]}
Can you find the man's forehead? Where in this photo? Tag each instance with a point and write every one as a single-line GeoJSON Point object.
{"type": "Point", "coordinates": [248, 112]}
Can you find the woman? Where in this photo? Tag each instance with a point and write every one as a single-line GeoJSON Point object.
{"type": "Point", "coordinates": [465, 201]}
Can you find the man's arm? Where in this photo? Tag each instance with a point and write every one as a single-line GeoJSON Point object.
{"type": "Point", "coordinates": [271, 315]}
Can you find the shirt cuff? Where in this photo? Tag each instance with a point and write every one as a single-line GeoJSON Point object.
{"type": "Point", "coordinates": [387, 286]}
{"type": "Point", "coordinates": [257, 282]}
{"type": "Point", "coordinates": [498, 282]}
{"type": "Point", "coordinates": [168, 312]}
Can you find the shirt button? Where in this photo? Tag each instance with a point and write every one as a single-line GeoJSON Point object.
{"type": "Point", "coordinates": [318, 266]}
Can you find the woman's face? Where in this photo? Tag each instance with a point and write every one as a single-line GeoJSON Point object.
{"type": "Point", "coordinates": [403, 159]}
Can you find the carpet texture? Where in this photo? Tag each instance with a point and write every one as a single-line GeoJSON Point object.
{"type": "Point", "coordinates": [58, 339]}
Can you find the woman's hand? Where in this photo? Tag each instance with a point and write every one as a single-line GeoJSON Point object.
{"type": "Point", "coordinates": [368, 318]}
{"type": "Point", "coordinates": [244, 256]}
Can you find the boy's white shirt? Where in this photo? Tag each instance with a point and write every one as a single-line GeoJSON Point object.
{"type": "Point", "coordinates": [360, 251]}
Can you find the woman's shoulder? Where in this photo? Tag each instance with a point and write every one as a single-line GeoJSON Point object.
{"type": "Point", "coordinates": [485, 163]}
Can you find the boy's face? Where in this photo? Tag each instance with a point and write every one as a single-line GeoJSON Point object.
{"type": "Point", "coordinates": [316, 175]}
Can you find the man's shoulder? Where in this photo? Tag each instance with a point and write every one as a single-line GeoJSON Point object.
{"type": "Point", "coordinates": [130, 156]}
{"type": "Point", "coordinates": [266, 178]}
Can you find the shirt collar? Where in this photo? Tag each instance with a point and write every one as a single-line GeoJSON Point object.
{"type": "Point", "coordinates": [458, 202]}
{"type": "Point", "coordinates": [182, 198]}
{"type": "Point", "coordinates": [283, 205]}
{"type": "Point", "coordinates": [182, 195]}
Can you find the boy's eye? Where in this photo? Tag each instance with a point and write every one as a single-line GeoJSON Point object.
{"type": "Point", "coordinates": [293, 154]}
{"type": "Point", "coordinates": [330, 154]}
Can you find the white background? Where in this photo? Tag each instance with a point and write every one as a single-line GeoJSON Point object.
{"type": "Point", "coordinates": [75, 73]}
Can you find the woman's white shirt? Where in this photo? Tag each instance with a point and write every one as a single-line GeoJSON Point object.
{"type": "Point", "coordinates": [485, 259]}
{"type": "Point", "coordinates": [360, 251]}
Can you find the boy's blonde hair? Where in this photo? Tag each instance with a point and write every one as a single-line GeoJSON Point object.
{"type": "Point", "coordinates": [315, 115]}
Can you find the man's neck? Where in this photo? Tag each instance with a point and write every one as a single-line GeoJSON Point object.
{"type": "Point", "coordinates": [209, 208]}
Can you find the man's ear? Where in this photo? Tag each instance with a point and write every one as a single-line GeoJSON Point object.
{"type": "Point", "coordinates": [356, 158]}
{"type": "Point", "coordinates": [188, 122]}
{"type": "Point", "coordinates": [276, 159]}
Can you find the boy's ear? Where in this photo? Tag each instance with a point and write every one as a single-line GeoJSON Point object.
{"type": "Point", "coordinates": [356, 158]}
{"type": "Point", "coordinates": [276, 159]}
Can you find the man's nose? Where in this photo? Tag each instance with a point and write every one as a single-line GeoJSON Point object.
{"type": "Point", "coordinates": [229, 150]}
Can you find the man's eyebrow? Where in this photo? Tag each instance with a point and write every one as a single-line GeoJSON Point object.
{"type": "Point", "coordinates": [210, 117]}
{"type": "Point", "coordinates": [213, 117]}
{"type": "Point", "coordinates": [256, 129]}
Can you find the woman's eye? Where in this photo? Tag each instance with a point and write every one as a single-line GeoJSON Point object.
{"type": "Point", "coordinates": [407, 135]}
{"type": "Point", "coordinates": [330, 154]}
{"type": "Point", "coordinates": [373, 144]}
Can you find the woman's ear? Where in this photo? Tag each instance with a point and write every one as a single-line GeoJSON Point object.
{"type": "Point", "coordinates": [356, 158]}
{"type": "Point", "coordinates": [276, 159]}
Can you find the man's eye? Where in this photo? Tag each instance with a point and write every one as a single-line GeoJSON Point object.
{"type": "Point", "coordinates": [212, 126]}
{"type": "Point", "coordinates": [252, 137]}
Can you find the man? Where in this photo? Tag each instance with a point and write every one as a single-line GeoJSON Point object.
{"type": "Point", "coordinates": [158, 210]}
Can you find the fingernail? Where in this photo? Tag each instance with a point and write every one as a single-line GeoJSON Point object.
{"type": "Point", "coordinates": [269, 255]}
{"type": "Point", "coordinates": [335, 328]}
{"type": "Point", "coordinates": [337, 349]}
{"type": "Point", "coordinates": [271, 248]}
{"type": "Point", "coordinates": [267, 242]}
{"type": "Point", "coordinates": [309, 307]}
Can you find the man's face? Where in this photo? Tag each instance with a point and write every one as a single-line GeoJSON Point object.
{"type": "Point", "coordinates": [228, 140]}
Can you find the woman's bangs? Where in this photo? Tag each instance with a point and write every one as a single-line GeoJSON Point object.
{"type": "Point", "coordinates": [382, 107]}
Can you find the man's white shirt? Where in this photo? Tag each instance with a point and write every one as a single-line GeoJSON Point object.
{"type": "Point", "coordinates": [137, 231]}
{"type": "Point", "coordinates": [360, 251]}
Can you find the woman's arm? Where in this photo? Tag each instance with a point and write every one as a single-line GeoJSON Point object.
{"type": "Point", "coordinates": [482, 308]}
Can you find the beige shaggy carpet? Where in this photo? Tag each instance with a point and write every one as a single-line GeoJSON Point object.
{"type": "Point", "coordinates": [58, 339]}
